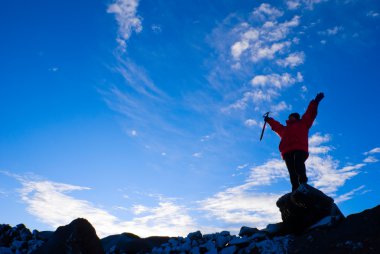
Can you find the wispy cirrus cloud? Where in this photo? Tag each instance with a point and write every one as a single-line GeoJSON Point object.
{"type": "Point", "coordinates": [349, 195]}
{"type": "Point", "coordinates": [307, 4]}
{"type": "Point", "coordinates": [128, 21]}
{"type": "Point", "coordinates": [373, 151]}
{"type": "Point", "coordinates": [241, 206]}
{"type": "Point", "coordinates": [371, 158]}
{"type": "Point", "coordinates": [331, 31]}
{"type": "Point", "coordinates": [52, 203]}
{"type": "Point", "coordinates": [373, 14]}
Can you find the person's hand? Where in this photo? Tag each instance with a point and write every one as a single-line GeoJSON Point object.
{"type": "Point", "coordinates": [266, 118]}
{"type": "Point", "coordinates": [319, 97]}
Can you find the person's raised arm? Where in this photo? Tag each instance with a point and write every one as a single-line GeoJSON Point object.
{"type": "Point", "coordinates": [312, 110]}
{"type": "Point", "coordinates": [275, 125]}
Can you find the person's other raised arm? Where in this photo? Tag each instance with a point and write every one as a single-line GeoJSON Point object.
{"type": "Point", "coordinates": [312, 110]}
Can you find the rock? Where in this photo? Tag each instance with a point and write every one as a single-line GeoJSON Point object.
{"type": "Point", "coordinates": [5, 250]}
{"type": "Point", "coordinates": [358, 233]}
{"type": "Point", "coordinates": [186, 246]}
{"type": "Point", "coordinates": [275, 229]}
{"type": "Point", "coordinates": [209, 246]}
{"type": "Point", "coordinates": [304, 207]}
{"type": "Point", "coordinates": [5, 237]}
{"type": "Point", "coordinates": [20, 227]}
{"type": "Point", "coordinates": [43, 235]}
{"type": "Point", "coordinates": [195, 235]}
{"type": "Point", "coordinates": [239, 241]}
{"type": "Point", "coordinates": [4, 228]}
{"type": "Point", "coordinates": [229, 250]}
{"type": "Point", "coordinates": [120, 241]}
{"type": "Point", "coordinates": [195, 250]}
{"type": "Point", "coordinates": [25, 234]}
{"type": "Point", "coordinates": [261, 235]}
{"type": "Point", "coordinates": [222, 240]}
{"type": "Point", "coordinates": [277, 245]}
{"type": "Point", "coordinates": [18, 245]}
{"type": "Point", "coordinates": [247, 231]}
{"type": "Point", "coordinates": [130, 243]}
{"type": "Point", "coordinates": [34, 244]}
{"type": "Point", "coordinates": [77, 237]}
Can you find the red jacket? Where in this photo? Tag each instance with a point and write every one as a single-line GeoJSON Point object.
{"type": "Point", "coordinates": [294, 136]}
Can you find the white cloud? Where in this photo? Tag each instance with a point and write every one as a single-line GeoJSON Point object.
{"type": "Point", "coordinates": [370, 159]}
{"type": "Point", "coordinates": [309, 4]}
{"type": "Point", "coordinates": [251, 122]}
{"type": "Point", "coordinates": [264, 42]}
{"type": "Point", "coordinates": [197, 155]}
{"type": "Point", "coordinates": [293, 4]}
{"type": "Point", "coordinates": [267, 173]}
{"type": "Point", "coordinates": [238, 48]}
{"type": "Point", "coordinates": [156, 28]}
{"type": "Point", "coordinates": [265, 11]}
{"type": "Point", "coordinates": [51, 203]}
{"type": "Point", "coordinates": [206, 138]}
{"type": "Point", "coordinates": [139, 209]}
{"type": "Point", "coordinates": [331, 31]}
{"type": "Point", "coordinates": [292, 60]}
{"type": "Point", "coordinates": [242, 166]}
{"type": "Point", "coordinates": [241, 206]}
{"type": "Point", "coordinates": [53, 69]}
{"type": "Point", "coordinates": [267, 52]}
{"type": "Point", "coordinates": [126, 16]}
{"type": "Point", "coordinates": [276, 80]}
{"type": "Point", "coordinates": [281, 106]}
{"type": "Point", "coordinates": [326, 175]}
{"type": "Point", "coordinates": [373, 151]}
{"type": "Point", "coordinates": [318, 139]}
{"type": "Point", "coordinates": [373, 14]}
{"type": "Point", "coordinates": [265, 89]}
{"type": "Point", "coordinates": [255, 96]}
{"type": "Point", "coordinates": [320, 149]}
{"type": "Point", "coordinates": [349, 195]}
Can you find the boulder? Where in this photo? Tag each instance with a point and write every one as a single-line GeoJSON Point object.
{"type": "Point", "coordinates": [304, 207]}
{"type": "Point", "coordinates": [247, 231]}
{"type": "Point", "coordinates": [77, 237]}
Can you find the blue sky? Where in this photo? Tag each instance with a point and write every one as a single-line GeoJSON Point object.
{"type": "Point", "coordinates": [145, 116]}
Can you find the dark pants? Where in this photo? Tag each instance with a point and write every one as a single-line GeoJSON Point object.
{"type": "Point", "coordinates": [295, 162]}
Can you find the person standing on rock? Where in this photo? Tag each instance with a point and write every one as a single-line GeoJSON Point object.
{"type": "Point", "coordinates": [294, 145]}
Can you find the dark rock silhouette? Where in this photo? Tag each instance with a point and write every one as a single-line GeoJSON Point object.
{"type": "Point", "coordinates": [130, 243]}
{"type": "Point", "coordinates": [79, 237]}
{"type": "Point", "coordinates": [356, 234]}
{"type": "Point", "coordinates": [304, 207]}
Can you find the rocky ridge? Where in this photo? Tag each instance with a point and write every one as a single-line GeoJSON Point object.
{"type": "Point", "coordinates": [358, 233]}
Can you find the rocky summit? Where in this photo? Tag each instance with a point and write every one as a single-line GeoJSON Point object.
{"type": "Point", "coordinates": [358, 233]}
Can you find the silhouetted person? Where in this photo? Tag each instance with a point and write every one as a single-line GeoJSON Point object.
{"type": "Point", "coordinates": [294, 145]}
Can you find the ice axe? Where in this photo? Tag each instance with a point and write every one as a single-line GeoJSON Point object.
{"type": "Point", "coordinates": [265, 123]}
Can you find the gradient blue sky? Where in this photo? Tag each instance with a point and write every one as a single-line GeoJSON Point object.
{"type": "Point", "coordinates": [145, 116]}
